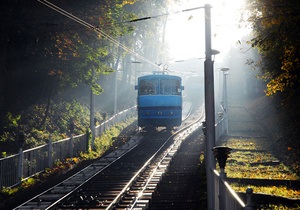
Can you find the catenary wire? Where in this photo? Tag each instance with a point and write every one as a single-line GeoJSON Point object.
{"type": "Point", "coordinates": [96, 29]}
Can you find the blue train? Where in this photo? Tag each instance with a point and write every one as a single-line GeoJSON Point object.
{"type": "Point", "coordinates": [159, 101]}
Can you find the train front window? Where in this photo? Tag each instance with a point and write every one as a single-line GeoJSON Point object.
{"type": "Point", "coordinates": [148, 87]}
{"type": "Point", "coordinates": [170, 87]}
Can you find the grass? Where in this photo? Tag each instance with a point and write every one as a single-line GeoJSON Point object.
{"type": "Point", "coordinates": [282, 191]}
{"type": "Point", "coordinates": [247, 161]}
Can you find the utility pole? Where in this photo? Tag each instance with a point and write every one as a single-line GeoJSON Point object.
{"type": "Point", "coordinates": [209, 110]}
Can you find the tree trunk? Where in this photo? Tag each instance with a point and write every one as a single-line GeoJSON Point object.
{"type": "Point", "coordinates": [43, 123]}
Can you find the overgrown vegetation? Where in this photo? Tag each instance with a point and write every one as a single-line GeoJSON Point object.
{"type": "Point", "coordinates": [282, 124]}
{"type": "Point", "coordinates": [276, 31]}
{"type": "Point", "coordinates": [282, 191]}
{"type": "Point", "coordinates": [51, 64]}
{"type": "Point", "coordinates": [261, 149]}
{"type": "Point", "coordinates": [252, 159]}
{"type": "Point", "coordinates": [57, 126]}
{"type": "Point", "coordinates": [246, 163]}
{"type": "Point", "coordinates": [102, 144]}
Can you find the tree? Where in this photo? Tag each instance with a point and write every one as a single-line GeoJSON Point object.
{"type": "Point", "coordinates": [45, 53]}
{"type": "Point", "coordinates": [276, 25]}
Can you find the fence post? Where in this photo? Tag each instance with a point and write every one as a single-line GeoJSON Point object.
{"type": "Point", "coordinates": [70, 146]}
{"type": "Point", "coordinates": [50, 148]}
{"type": "Point", "coordinates": [21, 139]}
{"type": "Point", "coordinates": [20, 165]}
{"type": "Point", "coordinates": [249, 205]}
{"type": "Point", "coordinates": [88, 143]}
{"type": "Point", "coordinates": [71, 130]}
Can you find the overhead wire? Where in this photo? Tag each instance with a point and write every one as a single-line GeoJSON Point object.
{"type": "Point", "coordinates": [166, 14]}
{"type": "Point", "coordinates": [97, 30]}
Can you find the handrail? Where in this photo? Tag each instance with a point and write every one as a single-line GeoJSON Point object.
{"type": "Point", "coordinates": [231, 200]}
{"type": "Point", "coordinates": [27, 163]}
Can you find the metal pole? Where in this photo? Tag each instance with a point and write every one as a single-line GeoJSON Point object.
{"type": "Point", "coordinates": [222, 190]}
{"type": "Point", "coordinates": [116, 91]}
{"type": "Point", "coordinates": [220, 92]}
{"type": "Point", "coordinates": [92, 112]}
{"type": "Point", "coordinates": [226, 102]}
{"type": "Point", "coordinates": [249, 204]}
{"type": "Point", "coordinates": [209, 109]}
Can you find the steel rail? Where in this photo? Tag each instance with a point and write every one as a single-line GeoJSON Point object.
{"type": "Point", "coordinates": [119, 196]}
{"type": "Point", "coordinates": [179, 136]}
{"type": "Point", "coordinates": [70, 186]}
{"type": "Point", "coordinates": [75, 182]}
{"type": "Point", "coordinates": [185, 131]}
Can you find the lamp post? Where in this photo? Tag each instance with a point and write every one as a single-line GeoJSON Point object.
{"type": "Point", "coordinates": [225, 100]}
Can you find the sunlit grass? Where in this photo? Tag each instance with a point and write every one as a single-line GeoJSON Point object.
{"type": "Point", "coordinates": [278, 207]}
{"type": "Point", "coordinates": [282, 191]}
{"type": "Point", "coordinates": [261, 172]}
{"type": "Point", "coordinates": [249, 159]}
{"type": "Point", "coordinates": [247, 143]}
{"type": "Point", "coordinates": [106, 140]}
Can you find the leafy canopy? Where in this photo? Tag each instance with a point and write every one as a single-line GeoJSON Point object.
{"type": "Point", "coordinates": [276, 25]}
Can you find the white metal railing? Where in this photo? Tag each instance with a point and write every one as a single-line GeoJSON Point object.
{"type": "Point", "coordinates": [32, 161]}
{"type": "Point", "coordinates": [225, 198]}
{"type": "Point", "coordinates": [221, 126]}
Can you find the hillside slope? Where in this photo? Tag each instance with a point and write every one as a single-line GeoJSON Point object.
{"type": "Point", "coordinates": [282, 125]}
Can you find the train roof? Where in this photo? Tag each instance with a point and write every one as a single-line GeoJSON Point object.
{"type": "Point", "coordinates": [156, 76]}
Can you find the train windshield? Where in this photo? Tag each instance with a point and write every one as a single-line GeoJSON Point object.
{"type": "Point", "coordinates": [170, 87]}
{"type": "Point", "coordinates": [159, 86]}
{"type": "Point", "coordinates": [148, 87]}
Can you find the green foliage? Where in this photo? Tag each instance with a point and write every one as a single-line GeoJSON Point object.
{"type": "Point", "coordinates": [5, 137]}
{"type": "Point", "coordinates": [61, 115]}
{"type": "Point", "coordinates": [11, 121]}
{"type": "Point", "coordinates": [92, 49]}
{"type": "Point", "coordinates": [106, 140]}
{"type": "Point", "coordinates": [53, 59]}
{"type": "Point", "coordinates": [102, 144]}
{"type": "Point", "coordinates": [58, 167]}
{"type": "Point", "coordinates": [8, 191]}
{"type": "Point", "coordinates": [8, 142]}
{"type": "Point", "coordinates": [63, 56]}
{"type": "Point", "coordinates": [28, 183]}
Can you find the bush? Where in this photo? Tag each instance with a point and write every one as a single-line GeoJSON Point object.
{"type": "Point", "coordinates": [40, 127]}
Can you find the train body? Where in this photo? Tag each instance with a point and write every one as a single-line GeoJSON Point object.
{"type": "Point", "coordinates": [159, 101]}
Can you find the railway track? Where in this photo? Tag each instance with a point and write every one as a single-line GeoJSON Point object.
{"type": "Point", "coordinates": [127, 178]}
{"type": "Point", "coordinates": [183, 186]}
